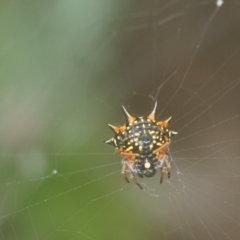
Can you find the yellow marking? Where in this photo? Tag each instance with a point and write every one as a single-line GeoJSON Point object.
{"type": "Point", "coordinates": [154, 141]}
{"type": "Point", "coordinates": [137, 134]}
{"type": "Point", "coordinates": [136, 144]}
{"type": "Point", "coordinates": [129, 148]}
{"type": "Point", "coordinates": [143, 125]}
{"type": "Point", "coordinates": [159, 144]}
{"type": "Point", "coordinates": [135, 139]}
{"type": "Point", "coordinates": [140, 148]}
{"type": "Point", "coordinates": [151, 146]}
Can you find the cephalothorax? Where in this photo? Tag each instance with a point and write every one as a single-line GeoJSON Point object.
{"type": "Point", "coordinates": [143, 142]}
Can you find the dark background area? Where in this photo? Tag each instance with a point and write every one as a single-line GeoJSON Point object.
{"type": "Point", "coordinates": [66, 69]}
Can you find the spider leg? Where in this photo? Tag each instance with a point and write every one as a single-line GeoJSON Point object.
{"type": "Point", "coordinates": [162, 148]}
{"type": "Point", "coordinates": [135, 180]}
{"type": "Point", "coordinates": [163, 162]}
{"type": "Point", "coordinates": [167, 164]}
{"type": "Point", "coordinates": [162, 175]}
{"type": "Point", "coordinates": [127, 165]}
{"type": "Point", "coordinates": [123, 172]}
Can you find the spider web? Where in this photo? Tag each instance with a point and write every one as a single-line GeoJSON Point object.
{"type": "Point", "coordinates": [67, 66]}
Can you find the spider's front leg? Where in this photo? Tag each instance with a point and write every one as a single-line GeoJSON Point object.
{"type": "Point", "coordinates": [167, 164]}
{"type": "Point", "coordinates": [164, 163]}
{"type": "Point", "coordinates": [135, 180]}
{"type": "Point", "coordinates": [163, 159]}
{"type": "Point", "coordinates": [127, 165]}
{"type": "Point", "coordinates": [123, 172]}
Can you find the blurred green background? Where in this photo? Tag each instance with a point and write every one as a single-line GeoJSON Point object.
{"type": "Point", "coordinates": [66, 69]}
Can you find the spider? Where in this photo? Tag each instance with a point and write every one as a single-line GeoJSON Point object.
{"type": "Point", "coordinates": [143, 143]}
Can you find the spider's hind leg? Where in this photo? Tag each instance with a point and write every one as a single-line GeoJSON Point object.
{"type": "Point", "coordinates": [135, 180]}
